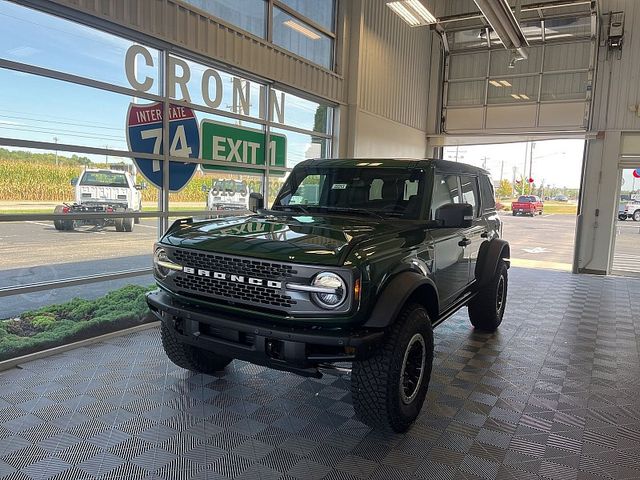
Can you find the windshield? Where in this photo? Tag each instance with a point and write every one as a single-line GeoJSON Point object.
{"type": "Point", "coordinates": [526, 199]}
{"type": "Point", "coordinates": [395, 192]}
{"type": "Point", "coordinates": [104, 179]}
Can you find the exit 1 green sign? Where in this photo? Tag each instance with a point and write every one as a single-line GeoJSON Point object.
{"type": "Point", "coordinates": [240, 146]}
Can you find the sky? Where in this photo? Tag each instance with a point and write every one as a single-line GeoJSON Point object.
{"type": "Point", "coordinates": [555, 162]}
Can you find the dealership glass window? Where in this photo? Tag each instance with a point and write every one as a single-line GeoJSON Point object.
{"type": "Point", "coordinates": [319, 11]}
{"type": "Point", "coordinates": [67, 116]}
{"type": "Point", "coordinates": [298, 112]}
{"type": "Point", "coordinates": [302, 147]}
{"type": "Point", "coordinates": [42, 40]}
{"type": "Point", "coordinates": [302, 39]}
{"type": "Point", "coordinates": [34, 181]}
{"type": "Point", "coordinates": [209, 87]}
{"type": "Point", "coordinates": [250, 15]}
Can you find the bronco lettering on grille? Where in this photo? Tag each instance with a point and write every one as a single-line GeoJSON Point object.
{"type": "Point", "coordinates": [232, 278]}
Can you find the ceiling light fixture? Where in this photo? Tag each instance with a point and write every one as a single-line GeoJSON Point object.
{"type": "Point", "coordinates": [412, 12]}
{"type": "Point", "coordinates": [495, 83]}
{"type": "Point", "coordinates": [302, 29]}
{"type": "Point", "coordinates": [516, 96]}
{"type": "Point", "coordinates": [505, 83]}
{"type": "Point", "coordinates": [504, 23]}
{"type": "Point", "coordinates": [524, 97]}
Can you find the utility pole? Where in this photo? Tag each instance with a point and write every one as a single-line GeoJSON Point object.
{"type": "Point", "coordinates": [513, 182]}
{"type": "Point", "coordinates": [106, 156]}
{"type": "Point", "coordinates": [484, 162]}
{"type": "Point", "coordinates": [55, 139]}
{"type": "Point", "coordinates": [533, 146]}
{"type": "Point", "coordinates": [524, 169]}
{"type": "Point", "coordinates": [501, 170]}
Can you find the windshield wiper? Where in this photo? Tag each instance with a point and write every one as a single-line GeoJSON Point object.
{"type": "Point", "coordinates": [353, 210]}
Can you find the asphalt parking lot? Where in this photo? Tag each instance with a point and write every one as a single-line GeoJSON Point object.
{"type": "Point", "coordinates": [34, 251]}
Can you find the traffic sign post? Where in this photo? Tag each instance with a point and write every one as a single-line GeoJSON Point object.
{"type": "Point", "coordinates": [144, 134]}
{"type": "Point", "coordinates": [241, 147]}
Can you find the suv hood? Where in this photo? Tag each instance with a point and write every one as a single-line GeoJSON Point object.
{"type": "Point", "coordinates": [316, 240]}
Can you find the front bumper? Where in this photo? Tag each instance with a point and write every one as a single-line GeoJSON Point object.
{"type": "Point", "coordinates": [296, 349]}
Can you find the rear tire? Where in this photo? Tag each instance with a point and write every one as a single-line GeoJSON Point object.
{"type": "Point", "coordinates": [486, 309]}
{"type": "Point", "coordinates": [190, 357]}
{"type": "Point", "coordinates": [127, 223]}
{"type": "Point", "coordinates": [59, 224]}
{"type": "Point", "coordinates": [636, 216]}
{"type": "Point", "coordinates": [119, 222]}
{"type": "Point", "coordinates": [388, 389]}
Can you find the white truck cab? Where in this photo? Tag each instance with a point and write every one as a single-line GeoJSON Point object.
{"type": "Point", "coordinates": [105, 191]}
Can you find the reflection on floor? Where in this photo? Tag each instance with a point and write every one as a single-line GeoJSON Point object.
{"type": "Point", "coordinates": [555, 395]}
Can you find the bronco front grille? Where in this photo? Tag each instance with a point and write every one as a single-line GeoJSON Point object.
{"type": "Point", "coordinates": [238, 266]}
{"type": "Point", "coordinates": [231, 290]}
{"type": "Point", "coordinates": [228, 290]}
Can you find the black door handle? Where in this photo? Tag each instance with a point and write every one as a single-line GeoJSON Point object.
{"type": "Point", "coordinates": [484, 234]}
{"type": "Point", "coordinates": [464, 242]}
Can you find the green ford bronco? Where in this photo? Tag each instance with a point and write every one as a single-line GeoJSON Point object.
{"type": "Point", "coordinates": [350, 269]}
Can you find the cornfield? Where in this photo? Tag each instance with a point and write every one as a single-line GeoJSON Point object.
{"type": "Point", "coordinates": [33, 181]}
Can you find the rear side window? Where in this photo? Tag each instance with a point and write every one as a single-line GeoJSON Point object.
{"type": "Point", "coordinates": [470, 195]}
{"type": "Point", "coordinates": [445, 191]}
{"type": "Point", "coordinates": [487, 193]}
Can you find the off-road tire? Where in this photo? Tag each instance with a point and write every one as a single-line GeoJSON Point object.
{"type": "Point", "coordinates": [486, 309]}
{"type": "Point", "coordinates": [190, 357]}
{"type": "Point", "coordinates": [136, 220]}
{"type": "Point", "coordinates": [513, 213]}
{"type": "Point", "coordinates": [636, 216]}
{"type": "Point", "coordinates": [376, 382]}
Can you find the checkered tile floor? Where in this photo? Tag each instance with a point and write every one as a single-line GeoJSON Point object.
{"type": "Point", "coordinates": [554, 395]}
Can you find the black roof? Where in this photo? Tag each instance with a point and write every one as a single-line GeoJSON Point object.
{"type": "Point", "coordinates": [439, 164]}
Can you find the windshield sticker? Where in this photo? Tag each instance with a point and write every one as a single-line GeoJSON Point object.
{"type": "Point", "coordinates": [339, 186]}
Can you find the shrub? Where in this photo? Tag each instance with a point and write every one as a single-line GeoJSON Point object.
{"type": "Point", "coordinates": [77, 319]}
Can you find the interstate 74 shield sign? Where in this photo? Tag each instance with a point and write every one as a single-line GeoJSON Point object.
{"type": "Point", "coordinates": [144, 134]}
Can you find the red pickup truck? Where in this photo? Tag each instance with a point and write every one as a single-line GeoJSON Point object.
{"type": "Point", "coordinates": [527, 205]}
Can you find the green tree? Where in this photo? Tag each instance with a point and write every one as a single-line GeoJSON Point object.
{"type": "Point", "coordinates": [505, 189]}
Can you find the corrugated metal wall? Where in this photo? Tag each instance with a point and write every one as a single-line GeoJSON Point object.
{"type": "Point", "coordinates": [179, 24]}
{"type": "Point", "coordinates": [618, 82]}
{"type": "Point", "coordinates": [394, 66]}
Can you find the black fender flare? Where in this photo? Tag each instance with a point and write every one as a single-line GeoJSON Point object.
{"type": "Point", "coordinates": [489, 255]}
{"type": "Point", "coordinates": [395, 295]}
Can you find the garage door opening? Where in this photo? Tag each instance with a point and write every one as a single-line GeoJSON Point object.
{"type": "Point", "coordinates": [537, 186]}
{"type": "Point", "coordinates": [626, 255]}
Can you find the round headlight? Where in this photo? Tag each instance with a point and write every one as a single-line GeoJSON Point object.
{"type": "Point", "coordinates": [336, 290]}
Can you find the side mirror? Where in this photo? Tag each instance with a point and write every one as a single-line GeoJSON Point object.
{"type": "Point", "coordinates": [256, 202]}
{"type": "Point", "coordinates": [74, 181]}
{"type": "Point", "coordinates": [204, 188]}
{"type": "Point", "coordinates": [455, 215]}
